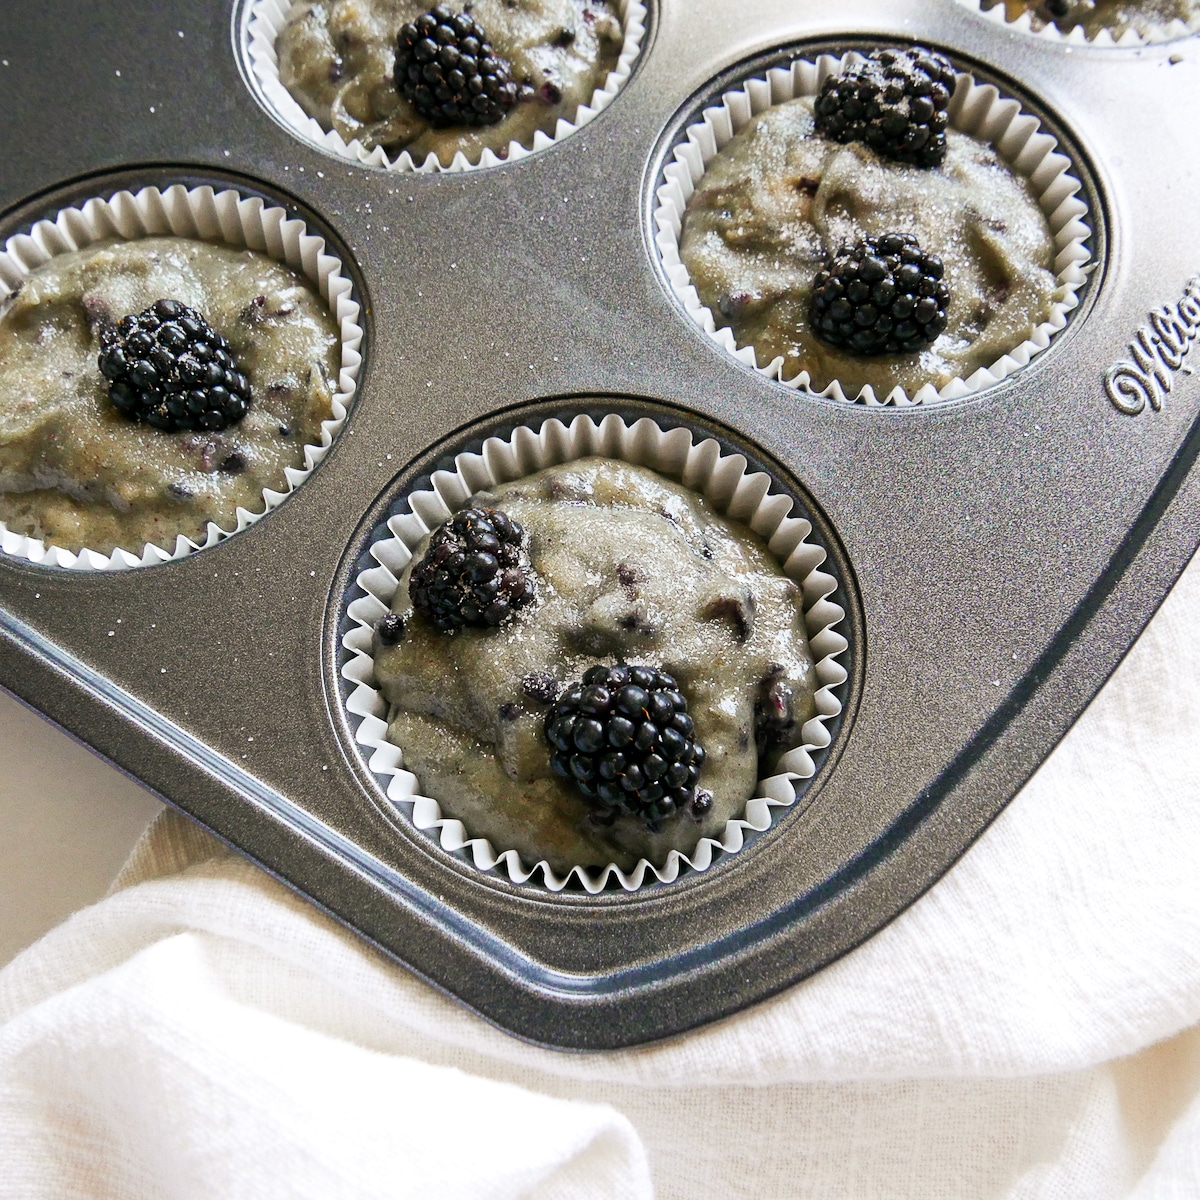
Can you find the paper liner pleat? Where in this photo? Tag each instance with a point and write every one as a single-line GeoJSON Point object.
{"type": "Point", "coordinates": [203, 213]}
{"type": "Point", "coordinates": [975, 108]}
{"type": "Point", "coordinates": [1077, 36]}
{"type": "Point", "coordinates": [733, 490]}
{"type": "Point", "coordinates": [264, 19]}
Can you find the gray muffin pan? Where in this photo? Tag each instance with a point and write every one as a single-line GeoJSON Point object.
{"type": "Point", "coordinates": [998, 555]}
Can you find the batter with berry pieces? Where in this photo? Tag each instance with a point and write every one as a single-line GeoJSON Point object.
{"type": "Point", "coordinates": [150, 387]}
{"type": "Point", "coordinates": [403, 76]}
{"type": "Point", "coordinates": [590, 665]}
{"type": "Point", "coordinates": [1144, 17]}
{"type": "Point", "coordinates": [855, 236]}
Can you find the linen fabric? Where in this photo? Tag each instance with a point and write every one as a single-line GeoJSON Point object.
{"type": "Point", "coordinates": [1028, 1029]}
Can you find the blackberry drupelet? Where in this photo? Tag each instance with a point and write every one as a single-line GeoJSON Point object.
{"type": "Point", "coordinates": [895, 102]}
{"type": "Point", "coordinates": [881, 295]}
{"type": "Point", "coordinates": [390, 628]}
{"type": "Point", "coordinates": [169, 368]}
{"type": "Point", "coordinates": [624, 738]}
{"type": "Point", "coordinates": [446, 69]}
{"type": "Point", "coordinates": [475, 571]}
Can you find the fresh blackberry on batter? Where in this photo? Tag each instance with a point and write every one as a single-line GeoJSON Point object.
{"type": "Point", "coordinates": [624, 738]}
{"type": "Point", "coordinates": [880, 295]}
{"type": "Point", "coordinates": [475, 571]}
{"type": "Point", "coordinates": [446, 68]}
{"type": "Point", "coordinates": [895, 102]}
{"type": "Point", "coordinates": [169, 368]}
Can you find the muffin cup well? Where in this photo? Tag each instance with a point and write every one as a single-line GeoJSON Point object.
{"type": "Point", "coordinates": [203, 214]}
{"type": "Point", "coordinates": [977, 109]}
{"type": "Point", "coordinates": [1078, 37]}
{"type": "Point", "coordinates": [733, 490]}
{"type": "Point", "coordinates": [260, 28]}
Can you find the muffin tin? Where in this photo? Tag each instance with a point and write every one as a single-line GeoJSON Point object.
{"type": "Point", "coordinates": [997, 554]}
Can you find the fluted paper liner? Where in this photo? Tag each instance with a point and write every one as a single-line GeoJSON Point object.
{"type": "Point", "coordinates": [1078, 37]}
{"type": "Point", "coordinates": [209, 215]}
{"type": "Point", "coordinates": [263, 21]}
{"type": "Point", "coordinates": [978, 109]}
{"type": "Point", "coordinates": [733, 490]}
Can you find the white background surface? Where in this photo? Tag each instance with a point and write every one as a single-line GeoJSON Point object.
{"type": "Point", "coordinates": [1028, 1030]}
{"type": "Point", "coordinates": [67, 822]}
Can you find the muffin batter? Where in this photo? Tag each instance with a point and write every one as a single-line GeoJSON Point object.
{"type": "Point", "coordinates": [630, 568]}
{"type": "Point", "coordinates": [779, 198]}
{"type": "Point", "coordinates": [1143, 16]}
{"type": "Point", "coordinates": [77, 474]}
{"type": "Point", "coordinates": [336, 57]}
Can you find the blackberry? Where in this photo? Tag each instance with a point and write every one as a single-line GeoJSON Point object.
{"type": "Point", "coordinates": [447, 70]}
{"type": "Point", "coordinates": [475, 571]}
{"type": "Point", "coordinates": [880, 295]}
{"type": "Point", "coordinates": [895, 102]}
{"type": "Point", "coordinates": [169, 368]}
{"type": "Point", "coordinates": [624, 738]}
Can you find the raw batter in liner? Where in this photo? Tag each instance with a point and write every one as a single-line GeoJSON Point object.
{"type": "Point", "coordinates": [336, 57]}
{"type": "Point", "coordinates": [77, 474]}
{"type": "Point", "coordinates": [631, 567]}
{"type": "Point", "coordinates": [779, 198]}
{"type": "Point", "coordinates": [1143, 16]}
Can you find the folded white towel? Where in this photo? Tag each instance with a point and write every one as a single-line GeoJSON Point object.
{"type": "Point", "coordinates": [203, 1033]}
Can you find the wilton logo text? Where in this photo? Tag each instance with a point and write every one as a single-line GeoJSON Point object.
{"type": "Point", "coordinates": [1158, 351]}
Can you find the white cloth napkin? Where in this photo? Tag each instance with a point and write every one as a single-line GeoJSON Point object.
{"type": "Point", "coordinates": [1027, 1029]}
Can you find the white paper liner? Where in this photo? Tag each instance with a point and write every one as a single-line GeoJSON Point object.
{"type": "Point", "coordinates": [1078, 37]}
{"type": "Point", "coordinates": [260, 26]}
{"type": "Point", "coordinates": [975, 108]}
{"type": "Point", "coordinates": [733, 490]}
{"type": "Point", "coordinates": [202, 213]}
